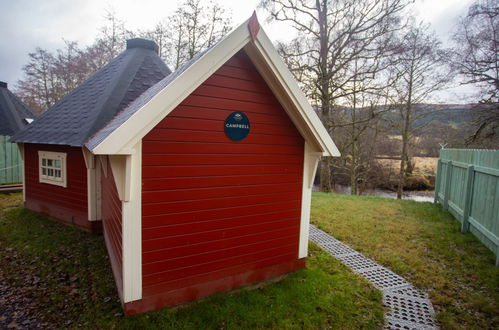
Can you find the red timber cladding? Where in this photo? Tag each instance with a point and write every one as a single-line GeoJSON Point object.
{"type": "Point", "coordinates": [111, 223]}
{"type": "Point", "coordinates": [213, 208]}
{"type": "Point", "coordinates": [64, 203]}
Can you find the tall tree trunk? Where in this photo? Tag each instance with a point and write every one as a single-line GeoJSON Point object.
{"type": "Point", "coordinates": [353, 138]}
{"type": "Point", "coordinates": [353, 170]}
{"type": "Point", "coordinates": [405, 134]}
{"type": "Point", "coordinates": [325, 97]}
{"type": "Point", "coordinates": [403, 161]}
{"type": "Point", "coordinates": [325, 175]}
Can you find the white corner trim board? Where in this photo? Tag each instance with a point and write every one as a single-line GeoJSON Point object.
{"type": "Point", "coordinates": [93, 185]}
{"type": "Point", "coordinates": [127, 172]}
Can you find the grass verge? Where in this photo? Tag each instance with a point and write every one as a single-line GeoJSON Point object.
{"type": "Point", "coordinates": [67, 275]}
{"type": "Point", "coordinates": [423, 244]}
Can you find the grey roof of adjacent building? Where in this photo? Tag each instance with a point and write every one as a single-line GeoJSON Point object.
{"type": "Point", "coordinates": [89, 107]}
{"type": "Point", "coordinates": [138, 103]}
{"type": "Point", "coordinates": [13, 112]}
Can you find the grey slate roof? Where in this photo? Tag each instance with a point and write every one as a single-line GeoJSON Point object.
{"type": "Point", "coordinates": [90, 106]}
{"type": "Point", "coordinates": [13, 112]}
{"type": "Point", "coordinates": [138, 103]}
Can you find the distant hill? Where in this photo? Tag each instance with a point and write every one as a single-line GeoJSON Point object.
{"type": "Point", "coordinates": [448, 114]}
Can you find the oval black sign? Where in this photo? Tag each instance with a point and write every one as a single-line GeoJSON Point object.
{"type": "Point", "coordinates": [237, 126]}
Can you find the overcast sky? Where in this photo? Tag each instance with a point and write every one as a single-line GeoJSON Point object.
{"type": "Point", "coordinates": [26, 24]}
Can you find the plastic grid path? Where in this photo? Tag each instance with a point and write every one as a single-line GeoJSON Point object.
{"type": "Point", "coordinates": [357, 262]}
{"type": "Point", "coordinates": [338, 249]}
{"type": "Point", "coordinates": [417, 311]}
{"type": "Point", "coordinates": [408, 308]}
{"type": "Point", "coordinates": [383, 278]}
{"type": "Point", "coordinates": [409, 291]}
{"type": "Point", "coordinates": [320, 237]}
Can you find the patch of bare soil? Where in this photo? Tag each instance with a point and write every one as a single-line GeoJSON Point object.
{"type": "Point", "coordinates": [18, 309]}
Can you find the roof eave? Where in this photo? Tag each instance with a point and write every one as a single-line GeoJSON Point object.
{"type": "Point", "coordinates": [133, 129]}
{"type": "Point", "coordinates": [260, 49]}
{"type": "Point", "coordinates": [286, 89]}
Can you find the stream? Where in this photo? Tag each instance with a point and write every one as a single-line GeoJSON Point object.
{"type": "Point", "coordinates": [418, 196]}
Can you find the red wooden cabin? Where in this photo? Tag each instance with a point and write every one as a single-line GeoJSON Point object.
{"type": "Point", "coordinates": [203, 181]}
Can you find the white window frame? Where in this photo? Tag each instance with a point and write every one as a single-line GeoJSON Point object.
{"type": "Point", "coordinates": [52, 179]}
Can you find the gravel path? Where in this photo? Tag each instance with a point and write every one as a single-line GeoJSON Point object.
{"type": "Point", "coordinates": [407, 307]}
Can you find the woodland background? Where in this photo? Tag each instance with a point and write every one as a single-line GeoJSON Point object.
{"type": "Point", "coordinates": [368, 68]}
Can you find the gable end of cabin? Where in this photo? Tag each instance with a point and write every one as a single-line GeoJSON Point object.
{"type": "Point", "coordinates": [218, 214]}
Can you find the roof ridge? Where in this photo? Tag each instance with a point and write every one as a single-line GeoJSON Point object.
{"type": "Point", "coordinates": [117, 88]}
{"type": "Point", "coordinates": [13, 112]}
{"type": "Point", "coordinates": [88, 107]}
{"type": "Point", "coordinates": [73, 91]}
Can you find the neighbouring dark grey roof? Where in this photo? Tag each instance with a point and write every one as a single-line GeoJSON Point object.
{"type": "Point", "coordinates": [138, 103]}
{"type": "Point", "coordinates": [90, 106]}
{"type": "Point", "coordinates": [13, 112]}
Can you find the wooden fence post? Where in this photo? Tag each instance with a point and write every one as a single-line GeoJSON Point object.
{"type": "Point", "coordinates": [448, 178]}
{"type": "Point", "coordinates": [438, 179]}
{"type": "Point", "coordinates": [470, 176]}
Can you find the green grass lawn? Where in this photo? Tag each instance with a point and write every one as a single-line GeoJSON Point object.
{"type": "Point", "coordinates": [65, 271]}
{"type": "Point", "coordinates": [423, 244]}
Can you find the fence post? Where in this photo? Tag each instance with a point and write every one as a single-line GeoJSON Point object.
{"type": "Point", "coordinates": [470, 176]}
{"type": "Point", "coordinates": [448, 178]}
{"type": "Point", "coordinates": [438, 178]}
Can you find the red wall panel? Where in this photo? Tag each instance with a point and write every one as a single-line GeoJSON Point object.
{"type": "Point", "coordinates": [112, 224]}
{"type": "Point", "coordinates": [65, 203]}
{"type": "Point", "coordinates": [213, 208]}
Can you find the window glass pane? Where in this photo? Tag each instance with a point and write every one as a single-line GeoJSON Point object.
{"type": "Point", "coordinates": [50, 172]}
{"type": "Point", "coordinates": [44, 171]}
{"type": "Point", "coordinates": [57, 163]}
{"type": "Point", "coordinates": [57, 173]}
{"type": "Point", "coordinates": [50, 162]}
{"type": "Point", "coordinates": [44, 162]}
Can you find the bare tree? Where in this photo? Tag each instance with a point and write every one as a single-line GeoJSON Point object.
{"type": "Point", "coordinates": [49, 76]}
{"type": "Point", "coordinates": [194, 26]}
{"type": "Point", "coordinates": [113, 35]}
{"type": "Point", "coordinates": [476, 56]}
{"type": "Point", "coordinates": [70, 68]}
{"type": "Point", "coordinates": [37, 87]}
{"type": "Point", "coordinates": [332, 36]}
{"type": "Point", "coordinates": [421, 66]}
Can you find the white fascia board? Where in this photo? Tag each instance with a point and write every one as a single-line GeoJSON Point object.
{"type": "Point", "coordinates": [288, 82]}
{"type": "Point", "coordinates": [122, 139]}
